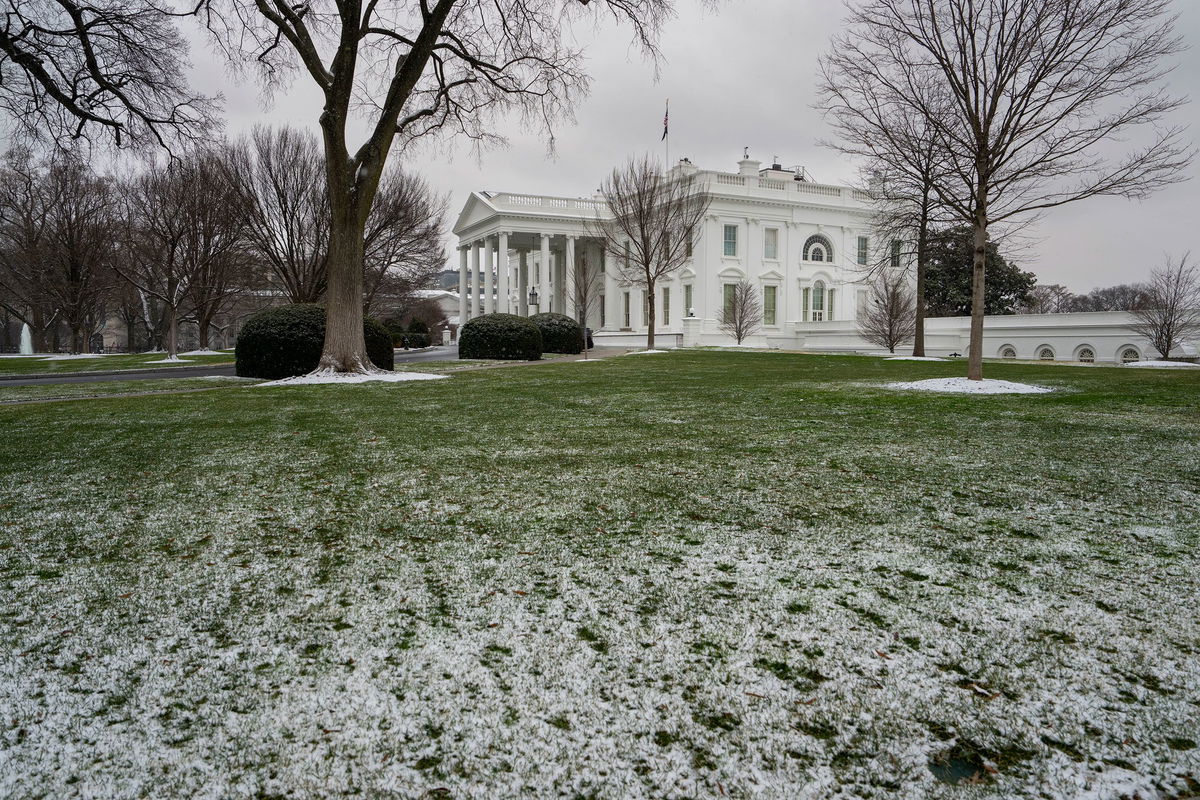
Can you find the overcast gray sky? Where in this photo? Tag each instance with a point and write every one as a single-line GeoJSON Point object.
{"type": "Point", "coordinates": [745, 75]}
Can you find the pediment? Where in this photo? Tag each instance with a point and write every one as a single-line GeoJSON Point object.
{"type": "Point", "coordinates": [476, 210]}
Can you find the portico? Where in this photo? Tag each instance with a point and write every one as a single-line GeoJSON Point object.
{"type": "Point", "coordinates": [523, 254]}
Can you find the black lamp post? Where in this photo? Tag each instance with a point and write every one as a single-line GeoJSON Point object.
{"type": "Point", "coordinates": [533, 296]}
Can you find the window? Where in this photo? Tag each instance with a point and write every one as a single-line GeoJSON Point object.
{"type": "Point", "coordinates": [1008, 351]}
{"type": "Point", "coordinates": [771, 243]}
{"type": "Point", "coordinates": [626, 326]}
{"type": "Point", "coordinates": [861, 303]}
{"type": "Point", "coordinates": [730, 240]}
{"type": "Point", "coordinates": [829, 304]}
{"type": "Point", "coordinates": [769, 305]}
{"type": "Point", "coordinates": [896, 251]}
{"type": "Point", "coordinates": [1130, 354]}
{"type": "Point", "coordinates": [807, 300]}
{"type": "Point", "coordinates": [687, 300]}
{"type": "Point", "coordinates": [1087, 355]}
{"type": "Point", "coordinates": [626, 257]}
{"type": "Point", "coordinates": [862, 250]}
{"type": "Point", "coordinates": [603, 308]}
{"type": "Point", "coordinates": [666, 318]}
{"type": "Point", "coordinates": [1046, 354]}
{"type": "Point", "coordinates": [818, 301]}
{"type": "Point", "coordinates": [818, 248]}
{"type": "Point", "coordinates": [727, 305]}
{"type": "Point", "coordinates": [689, 245]}
{"type": "Point", "coordinates": [645, 308]}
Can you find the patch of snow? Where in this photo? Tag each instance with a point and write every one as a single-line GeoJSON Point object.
{"type": "Point", "coordinates": [70, 357]}
{"type": "Point", "coordinates": [966, 386]}
{"type": "Point", "coordinates": [169, 360]}
{"type": "Point", "coordinates": [914, 358]}
{"type": "Point", "coordinates": [1163, 364]}
{"type": "Point", "coordinates": [202, 353]}
{"type": "Point", "coordinates": [348, 378]}
{"type": "Point", "coordinates": [646, 352]}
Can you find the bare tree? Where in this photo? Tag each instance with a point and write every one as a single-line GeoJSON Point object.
{"type": "Point", "coordinates": [414, 68]}
{"type": "Point", "coordinates": [741, 314]}
{"type": "Point", "coordinates": [182, 225]}
{"type": "Point", "coordinates": [114, 68]}
{"type": "Point", "coordinates": [652, 221]}
{"type": "Point", "coordinates": [82, 224]}
{"type": "Point", "coordinates": [403, 246]}
{"type": "Point", "coordinates": [1025, 98]}
{"type": "Point", "coordinates": [585, 288]}
{"type": "Point", "coordinates": [280, 174]}
{"type": "Point", "coordinates": [24, 220]}
{"type": "Point", "coordinates": [903, 164]}
{"type": "Point", "coordinates": [890, 317]}
{"type": "Point", "coordinates": [1171, 314]}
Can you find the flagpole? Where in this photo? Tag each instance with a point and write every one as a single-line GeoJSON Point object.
{"type": "Point", "coordinates": [667, 138]}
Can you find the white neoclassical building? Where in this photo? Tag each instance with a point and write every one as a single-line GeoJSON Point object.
{"type": "Point", "coordinates": [799, 241]}
{"type": "Point", "coordinates": [804, 245]}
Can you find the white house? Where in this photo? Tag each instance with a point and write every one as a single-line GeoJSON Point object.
{"type": "Point", "coordinates": [805, 245]}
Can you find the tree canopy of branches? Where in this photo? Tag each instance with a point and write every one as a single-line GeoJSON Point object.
{"type": "Point", "coordinates": [403, 244]}
{"type": "Point", "coordinates": [902, 164]}
{"type": "Point", "coordinates": [412, 68]}
{"type": "Point", "coordinates": [1057, 299]}
{"type": "Point", "coordinates": [57, 225]}
{"type": "Point", "coordinates": [1024, 98]}
{"type": "Point", "coordinates": [890, 317]}
{"type": "Point", "coordinates": [948, 283]}
{"type": "Point", "coordinates": [652, 221]}
{"type": "Point", "coordinates": [1171, 313]}
{"type": "Point", "coordinates": [183, 227]}
{"type": "Point", "coordinates": [112, 69]}
{"type": "Point", "coordinates": [741, 312]}
{"type": "Point", "coordinates": [280, 175]}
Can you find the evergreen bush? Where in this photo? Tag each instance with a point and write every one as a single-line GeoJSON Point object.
{"type": "Point", "coordinates": [503, 336]}
{"type": "Point", "coordinates": [287, 340]}
{"type": "Point", "coordinates": [560, 333]}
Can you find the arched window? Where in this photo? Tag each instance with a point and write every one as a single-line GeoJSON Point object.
{"type": "Point", "coordinates": [818, 301]}
{"type": "Point", "coordinates": [1046, 354]}
{"type": "Point", "coordinates": [818, 248]}
{"type": "Point", "coordinates": [1086, 354]}
{"type": "Point", "coordinates": [1008, 351]}
{"type": "Point", "coordinates": [1130, 354]}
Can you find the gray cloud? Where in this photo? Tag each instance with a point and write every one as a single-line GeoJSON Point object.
{"type": "Point", "coordinates": [745, 75]}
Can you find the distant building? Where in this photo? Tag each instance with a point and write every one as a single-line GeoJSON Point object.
{"type": "Point", "coordinates": [804, 245]}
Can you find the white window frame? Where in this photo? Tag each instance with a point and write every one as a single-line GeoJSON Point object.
{"type": "Point", "coordinates": [771, 244]}
{"type": "Point", "coordinates": [726, 241]}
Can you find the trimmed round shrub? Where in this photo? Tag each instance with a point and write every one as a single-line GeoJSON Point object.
{"type": "Point", "coordinates": [560, 333]}
{"type": "Point", "coordinates": [504, 336]}
{"type": "Point", "coordinates": [285, 341]}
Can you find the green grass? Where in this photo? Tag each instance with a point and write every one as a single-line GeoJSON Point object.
{"type": "Point", "coordinates": [38, 365]}
{"type": "Point", "coordinates": [79, 391]}
{"type": "Point", "coordinates": [692, 574]}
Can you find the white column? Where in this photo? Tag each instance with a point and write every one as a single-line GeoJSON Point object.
{"type": "Point", "coordinates": [569, 280]}
{"type": "Point", "coordinates": [462, 284]}
{"type": "Point", "coordinates": [611, 308]}
{"type": "Point", "coordinates": [489, 261]}
{"type": "Point", "coordinates": [473, 281]}
{"type": "Point", "coordinates": [544, 276]}
{"type": "Point", "coordinates": [503, 298]}
{"type": "Point", "coordinates": [523, 282]}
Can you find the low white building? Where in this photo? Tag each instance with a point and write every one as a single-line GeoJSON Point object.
{"type": "Point", "coordinates": [805, 246]}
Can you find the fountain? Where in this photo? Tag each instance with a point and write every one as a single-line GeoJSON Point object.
{"type": "Point", "coordinates": [26, 340]}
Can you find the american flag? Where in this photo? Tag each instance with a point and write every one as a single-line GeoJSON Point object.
{"type": "Point", "coordinates": [666, 120]}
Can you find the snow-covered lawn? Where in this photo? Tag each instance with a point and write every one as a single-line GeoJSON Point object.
{"type": "Point", "coordinates": [713, 575]}
{"type": "Point", "coordinates": [1163, 364]}
{"type": "Point", "coordinates": [345, 379]}
{"type": "Point", "coordinates": [964, 386]}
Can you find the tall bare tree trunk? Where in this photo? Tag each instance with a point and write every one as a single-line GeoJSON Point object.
{"type": "Point", "coordinates": [172, 331]}
{"type": "Point", "coordinates": [975, 351]}
{"type": "Point", "coordinates": [922, 257]}
{"type": "Point", "coordinates": [649, 315]}
{"type": "Point", "coordinates": [345, 348]}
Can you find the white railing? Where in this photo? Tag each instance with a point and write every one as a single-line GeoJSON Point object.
{"type": "Point", "coordinates": [731, 180]}
{"type": "Point", "coordinates": [537, 201]}
{"type": "Point", "coordinates": [780, 186]}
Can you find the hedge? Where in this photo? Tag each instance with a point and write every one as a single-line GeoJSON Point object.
{"type": "Point", "coordinates": [560, 333]}
{"type": "Point", "coordinates": [503, 336]}
{"type": "Point", "coordinates": [287, 340]}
